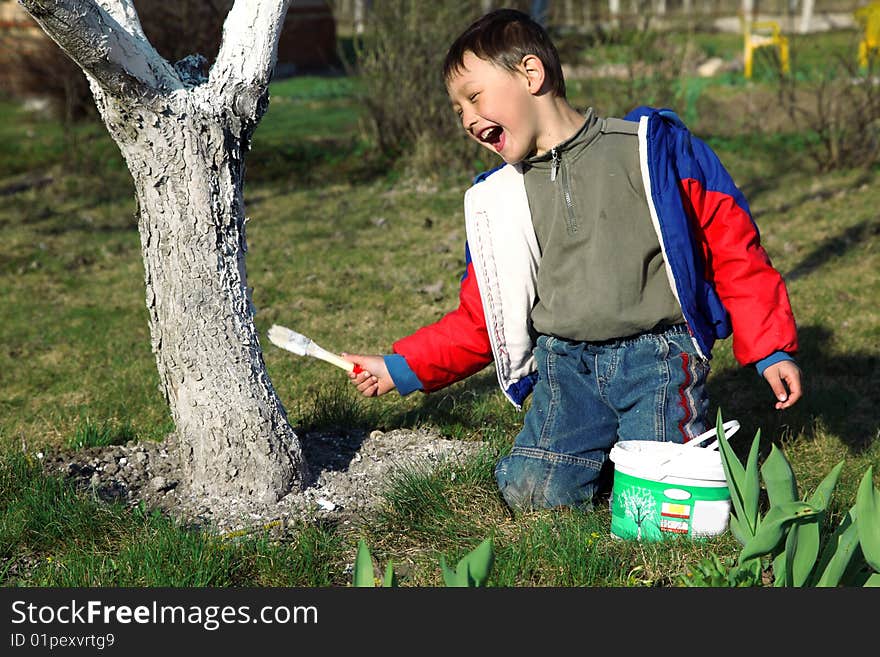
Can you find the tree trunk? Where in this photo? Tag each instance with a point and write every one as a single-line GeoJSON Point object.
{"type": "Point", "coordinates": [183, 136]}
{"type": "Point", "coordinates": [232, 430]}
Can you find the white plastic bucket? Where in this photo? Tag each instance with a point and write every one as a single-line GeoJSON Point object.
{"type": "Point", "coordinates": [664, 489]}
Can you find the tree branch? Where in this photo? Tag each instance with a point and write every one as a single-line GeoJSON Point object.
{"type": "Point", "coordinates": [247, 54]}
{"type": "Point", "coordinates": [124, 12]}
{"type": "Point", "coordinates": [116, 55]}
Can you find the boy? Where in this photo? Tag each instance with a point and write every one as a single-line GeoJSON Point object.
{"type": "Point", "coordinates": [604, 258]}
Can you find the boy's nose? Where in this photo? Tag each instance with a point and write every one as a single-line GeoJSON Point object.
{"type": "Point", "coordinates": [468, 120]}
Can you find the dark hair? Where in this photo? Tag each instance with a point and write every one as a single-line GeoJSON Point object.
{"type": "Point", "coordinates": [503, 37]}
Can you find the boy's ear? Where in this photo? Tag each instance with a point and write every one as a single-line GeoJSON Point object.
{"type": "Point", "coordinates": [533, 68]}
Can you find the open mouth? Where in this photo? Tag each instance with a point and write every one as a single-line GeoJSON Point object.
{"type": "Point", "coordinates": [494, 136]}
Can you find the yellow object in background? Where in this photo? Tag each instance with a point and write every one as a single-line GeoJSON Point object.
{"type": "Point", "coordinates": [869, 18]}
{"type": "Point", "coordinates": [760, 34]}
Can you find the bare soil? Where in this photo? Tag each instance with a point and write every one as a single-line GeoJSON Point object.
{"type": "Point", "coordinates": [349, 472]}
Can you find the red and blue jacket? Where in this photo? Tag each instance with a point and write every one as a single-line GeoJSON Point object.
{"type": "Point", "coordinates": [718, 270]}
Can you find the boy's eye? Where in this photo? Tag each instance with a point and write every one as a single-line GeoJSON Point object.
{"type": "Point", "coordinates": [473, 96]}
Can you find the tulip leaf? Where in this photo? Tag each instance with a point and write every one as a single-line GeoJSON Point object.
{"type": "Point", "coordinates": [839, 551]}
{"type": "Point", "coordinates": [806, 550]}
{"type": "Point", "coordinates": [479, 563]}
{"type": "Point", "coordinates": [737, 531]}
{"type": "Point", "coordinates": [789, 564]}
{"type": "Point", "coordinates": [736, 476]}
{"type": "Point", "coordinates": [868, 509]}
{"type": "Point", "coordinates": [450, 577]}
{"type": "Point", "coordinates": [464, 574]}
{"type": "Point", "coordinates": [822, 495]}
{"type": "Point", "coordinates": [390, 578]}
{"type": "Point", "coordinates": [752, 486]}
{"type": "Point", "coordinates": [779, 478]}
{"type": "Point", "coordinates": [781, 571]}
{"type": "Point", "coordinates": [773, 528]}
{"type": "Point", "coordinates": [363, 566]}
{"type": "Point", "coordinates": [805, 537]}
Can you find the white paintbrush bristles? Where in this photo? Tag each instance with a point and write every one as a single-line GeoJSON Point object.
{"type": "Point", "coordinates": [283, 337]}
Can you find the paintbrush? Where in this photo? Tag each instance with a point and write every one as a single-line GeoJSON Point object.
{"type": "Point", "coordinates": [283, 337]}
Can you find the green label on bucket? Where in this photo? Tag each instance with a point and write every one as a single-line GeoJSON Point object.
{"type": "Point", "coordinates": [649, 510]}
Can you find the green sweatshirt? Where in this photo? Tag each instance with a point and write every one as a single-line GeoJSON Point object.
{"type": "Point", "coordinates": [601, 274]}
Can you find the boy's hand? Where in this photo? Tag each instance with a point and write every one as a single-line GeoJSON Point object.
{"type": "Point", "coordinates": [784, 378]}
{"type": "Point", "coordinates": [374, 380]}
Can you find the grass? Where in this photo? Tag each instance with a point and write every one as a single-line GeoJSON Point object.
{"type": "Point", "coordinates": [52, 535]}
{"type": "Point", "coordinates": [91, 434]}
{"type": "Point", "coordinates": [344, 248]}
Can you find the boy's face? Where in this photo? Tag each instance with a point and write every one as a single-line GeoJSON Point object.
{"type": "Point", "coordinates": [496, 107]}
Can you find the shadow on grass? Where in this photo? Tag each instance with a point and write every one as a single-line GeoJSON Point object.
{"type": "Point", "coordinates": [818, 195]}
{"type": "Point", "coordinates": [834, 247]}
{"type": "Point", "coordinates": [842, 395]}
{"type": "Point", "coordinates": [451, 406]}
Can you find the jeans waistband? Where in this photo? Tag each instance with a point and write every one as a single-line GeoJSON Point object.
{"type": "Point", "coordinates": [671, 329]}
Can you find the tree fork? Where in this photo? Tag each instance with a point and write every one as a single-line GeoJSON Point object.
{"type": "Point", "coordinates": [183, 137]}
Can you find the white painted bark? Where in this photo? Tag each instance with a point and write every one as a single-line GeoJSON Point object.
{"type": "Point", "coordinates": [184, 137]}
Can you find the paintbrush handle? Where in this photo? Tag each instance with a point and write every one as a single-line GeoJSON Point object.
{"type": "Point", "coordinates": [321, 353]}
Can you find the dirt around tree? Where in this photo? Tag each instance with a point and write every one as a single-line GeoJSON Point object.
{"type": "Point", "coordinates": [349, 472]}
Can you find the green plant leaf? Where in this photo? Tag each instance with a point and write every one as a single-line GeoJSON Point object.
{"type": "Point", "coordinates": [868, 510]}
{"type": "Point", "coordinates": [736, 476]}
{"type": "Point", "coordinates": [780, 565]}
{"type": "Point", "coordinates": [752, 486]}
{"type": "Point", "coordinates": [873, 580]}
{"type": "Point", "coordinates": [737, 531]}
{"type": "Point", "coordinates": [804, 539]}
{"type": "Point", "coordinates": [839, 551]}
{"type": "Point", "coordinates": [450, 578]}
{"type": "Point", "coordinates": [454, 578]}
{"type": "Point", "coordinates": [464, 574]}
{"type": "Point", "coordinates": [773, 528]}
{"type": "Point", "coordinates": [821, 497]}
{"type": "Point", "coordinates": [710, 572]}
{"type": "Point", "coordinates": [390, 580]}
{"type": "Point", "coordinates": [363, 566]}
{"type": "Point", "coordinates": [806, 543]}
{"type": "Point", "coordinates": [792, 567]}
{"type": "Point", "coordinates": [750, 573]}
{"type": "Point", "coordinates": [478, 562]}
{"type": "Point", "coordinates": [858, 571]}
{"type": "Point", "coordinates": [779, 478]}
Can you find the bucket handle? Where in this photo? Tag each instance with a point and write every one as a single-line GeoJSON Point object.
{"type": "Point", "coordinates": [730, 428]}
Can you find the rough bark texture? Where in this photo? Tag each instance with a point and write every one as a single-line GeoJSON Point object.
{"type": "Point", "coordinates": [184, 136]}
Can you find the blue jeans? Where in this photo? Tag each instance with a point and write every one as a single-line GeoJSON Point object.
{"type": "Point", "coordinates": [588, 396]}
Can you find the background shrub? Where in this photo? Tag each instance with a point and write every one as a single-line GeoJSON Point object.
{"type": "Point", "coordinates": [399, 60]}
{"type": "Point", "coordinates": [837, 107]}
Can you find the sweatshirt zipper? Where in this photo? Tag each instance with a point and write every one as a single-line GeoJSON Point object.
{"type": "Point", "coordinates": [555, 164]}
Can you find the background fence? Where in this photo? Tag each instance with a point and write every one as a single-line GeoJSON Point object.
{"type": "Point", "coordinates": [352, 16]}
